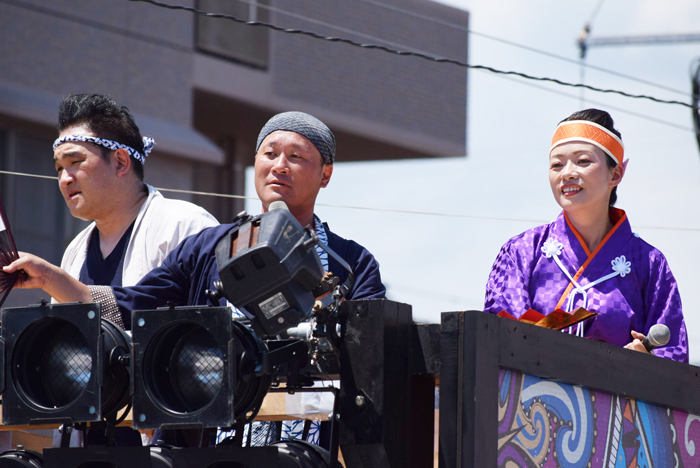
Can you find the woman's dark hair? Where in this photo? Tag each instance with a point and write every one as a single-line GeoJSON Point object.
{"type": "Point", "coordinates": [603, 119]}
{"type": "Point", "coordinates": [104, 118]}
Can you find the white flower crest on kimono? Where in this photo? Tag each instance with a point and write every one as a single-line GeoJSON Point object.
{"type": "Point", "coordinates": [621, 265]}
{"type": "Point", "coordinates": [552, 247]}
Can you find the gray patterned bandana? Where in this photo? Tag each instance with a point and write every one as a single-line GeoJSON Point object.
{"type": "Point", "coordinates": [306, 125]}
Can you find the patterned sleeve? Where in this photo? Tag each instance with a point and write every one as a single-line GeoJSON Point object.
{"type": "Point", "coordinates": [663, 305]}
{"type": "Point", "coordinates": [108, 303]}
{"type": "Point", "coordinates": [507, 286]}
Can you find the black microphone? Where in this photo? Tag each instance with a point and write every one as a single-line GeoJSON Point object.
{"type": "Point", "coordinates": [278, 205]}
{"type": "Point", "coordinates": [658, 336]}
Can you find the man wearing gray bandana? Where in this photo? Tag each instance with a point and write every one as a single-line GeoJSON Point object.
{"type": "Point", "coordinates": [293, 161]}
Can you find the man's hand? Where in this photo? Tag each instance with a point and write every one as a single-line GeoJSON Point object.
{"type": "Point", "coordinates": [636, 343]}
{"type": "Point", "coordinates": [35, 269]}
{"type": "Point", "coordinates": [40, 274]}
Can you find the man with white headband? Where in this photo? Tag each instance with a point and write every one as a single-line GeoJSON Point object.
{"type": "Point", "coordinates": [99, 157]}
{"type": "Point", "coordinates": [589, 257]}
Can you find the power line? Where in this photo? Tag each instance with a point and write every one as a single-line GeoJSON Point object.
{"type": "Point", "coordinates": [102, 26]}
{"type": "Point", "coordinates": [331, 26]}
{"type": "Point", "coordinates": [364, 208]}
{"type": "Point", "coordinates": [446, 23]}
{"type": "Point", "coordinates": [602, 104]}
{"type": "Point", "coordinates": [410, 54]}
{"type": "Point", "coordinates": [514, 44]}
{"type": "Point", "coordinates": [179, 47]}
{"type": "Point", "coordinates": [596, 10]}
{"type": "Point", "coordinates": [35, 176]}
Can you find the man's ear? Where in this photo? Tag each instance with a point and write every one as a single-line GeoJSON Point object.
{"type": "Point", "coordinates": [327, 173]}
{"type": "Point", "coordinates": [123, 160]}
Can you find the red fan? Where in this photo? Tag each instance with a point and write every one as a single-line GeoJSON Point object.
{"type": "Point", "coordinates": [8, 254]}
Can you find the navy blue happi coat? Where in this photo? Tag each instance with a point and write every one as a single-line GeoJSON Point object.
{"type": "Point", "coordinates": [191, 269]}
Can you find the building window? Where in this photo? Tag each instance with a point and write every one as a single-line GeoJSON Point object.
{"type": "Point", "coordinates": [35, 208]}
{"type": "Point", "coordinates": [236, 41]}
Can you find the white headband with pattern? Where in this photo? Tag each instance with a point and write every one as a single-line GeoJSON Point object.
{"type": "Point", "coordinates": [148, 144]}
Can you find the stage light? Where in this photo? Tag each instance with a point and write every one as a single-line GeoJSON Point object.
{"type": "Point", "coordinates": [21, 458]}
{"type": "Point", "coordinates": [188, 364]}
{"type": "Point", "coordinates": [285, 454]}
{"type": "Point", "coordinates": [108, 457]}
{"type": "Point", "coordinates": [301, 454]}
{"type": "Point", "coordinates": [195, 367]}
{"type": "Point", "coordinates": [270, 270]}
{"type": "Point", "coordinates": [63, 364]}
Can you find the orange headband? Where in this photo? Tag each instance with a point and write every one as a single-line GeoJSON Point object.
{"type": "Point", "coordinates": [590, 132]}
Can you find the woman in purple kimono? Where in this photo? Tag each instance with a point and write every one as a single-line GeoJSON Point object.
{"type": "Point", "coordinates": [589, 257]}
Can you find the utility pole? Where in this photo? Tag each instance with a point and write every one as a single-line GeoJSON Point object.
{"type": "Point", "coordinates": [585, 41]}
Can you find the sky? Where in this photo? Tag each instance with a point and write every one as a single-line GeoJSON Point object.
{"type": "Point", "coordinates": [440, 263]}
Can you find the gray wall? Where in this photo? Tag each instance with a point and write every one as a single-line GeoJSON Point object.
{"type": "Point", "coordinates": [138, 54]}
{"type": "Point", "coordinates": [411, 94]}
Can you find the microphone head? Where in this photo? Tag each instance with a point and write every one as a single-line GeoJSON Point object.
{"type": "Point", "coordinates": [278, 205]}
{"type": "Point", "coordinates": [658, 335]}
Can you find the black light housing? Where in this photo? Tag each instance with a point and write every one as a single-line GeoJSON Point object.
{"type": "Point", "coordinates": [194, 367]}
{"type": "Point", "coordinates": [269, 268]}
{"type": "Point", "coordinates": [108, 457]}
{"type": "Point", "coordinates": [63, 364]}
{"type": "Point", "coordinates": [21, 458]}
{"type": "Point", "coordinates": [285, 454]}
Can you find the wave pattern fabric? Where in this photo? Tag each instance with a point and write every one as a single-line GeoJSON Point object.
{"type": "Point", "coordinates": [547, 424]}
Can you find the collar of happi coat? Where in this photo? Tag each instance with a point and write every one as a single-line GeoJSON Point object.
{"type": "Point", "coordinates": [323, 237]}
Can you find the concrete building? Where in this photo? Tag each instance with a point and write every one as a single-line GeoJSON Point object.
{"type": "Point", "coordinates": [203, 87]}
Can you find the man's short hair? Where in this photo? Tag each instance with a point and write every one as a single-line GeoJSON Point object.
{"type": "Point", "coordinates": [105, 119]}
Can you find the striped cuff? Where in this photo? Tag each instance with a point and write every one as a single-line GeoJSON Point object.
{"type": "Point", "coordinates": [108, 303]}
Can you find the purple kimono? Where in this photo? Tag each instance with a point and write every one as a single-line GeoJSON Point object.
{"type": "Point", "coordinates": [627, 281]}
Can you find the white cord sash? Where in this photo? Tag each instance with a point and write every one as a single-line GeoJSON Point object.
{"type": "Point", "coordinates": [552, 249]}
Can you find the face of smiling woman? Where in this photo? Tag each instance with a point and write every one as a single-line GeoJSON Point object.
{"type": "Point", "coordinates": [580, 177]}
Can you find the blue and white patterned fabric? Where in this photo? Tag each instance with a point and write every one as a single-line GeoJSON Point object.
{"type": "Point", "coordinates": [291, 430]}
{"type": "Point", "coordinates": [323, 237]}
{"type": "Point", "coordinates": [304, 124]}
{"type": "Point", "coordinates": [148, 144]}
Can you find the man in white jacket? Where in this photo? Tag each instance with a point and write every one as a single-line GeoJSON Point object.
{"type": "Point", "coordinates": [99, 157]}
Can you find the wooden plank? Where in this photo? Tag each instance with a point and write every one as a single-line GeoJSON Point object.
{"type": "Point", "coordinates": [480, 344]}
{"type": "Point", "coordinates": [274, 408]}
{"type": "Point", "coordinates": [30, 441]}
{"type": "Point", "coordinates": [450, 450]}
{"type": "Point", "coordinates": [426, 349]}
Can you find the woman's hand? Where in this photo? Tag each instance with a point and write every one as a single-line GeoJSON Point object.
{"type": "Point", "coordinates": [636, 343]}
{"type": "Point", "coordinates": [37, 273]}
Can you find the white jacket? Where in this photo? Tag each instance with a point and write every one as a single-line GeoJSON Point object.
{"type": "Point", "coordinates": [160, 226]}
